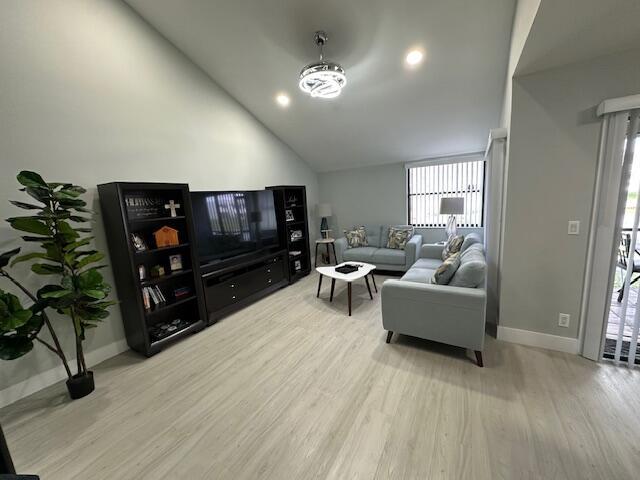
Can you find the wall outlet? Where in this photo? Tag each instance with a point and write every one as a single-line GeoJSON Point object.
{"type": "Point", "coordinates": [574, 227]}
{"type": "Point", "coordinates": [564, 319]}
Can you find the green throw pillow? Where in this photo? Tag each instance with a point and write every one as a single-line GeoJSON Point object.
{"type": "Point", "coordinates": [357, 237]}
{"type": "Point", "coordinates": [398, 237]}
{"type": "Point", "coordinates": [453, 246]}
{"type": "Point", "coordinates": [447, 270]}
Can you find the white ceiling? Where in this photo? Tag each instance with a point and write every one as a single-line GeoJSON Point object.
{"type": "Point", "coordinates": [387, 113]}
{"type": "Point", "coordinates": [569, 31]}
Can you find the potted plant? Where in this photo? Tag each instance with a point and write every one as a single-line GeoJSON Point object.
{"type": "Point", "coordinates": [65, 254]}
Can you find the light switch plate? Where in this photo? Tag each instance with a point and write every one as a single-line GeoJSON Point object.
{"type": "Point", "coordinates": [574, 227]}
{"type": "Point", "coordinates": [564, 319]}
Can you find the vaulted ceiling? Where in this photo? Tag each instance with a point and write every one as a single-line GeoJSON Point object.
{"type": "Point", "coordinates": [566, 31]}
{"type": "Point", "coordinates": [387, 112]}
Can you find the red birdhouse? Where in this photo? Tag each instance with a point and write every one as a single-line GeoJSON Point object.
{"type": "Point", "coordinates": [166, 237]}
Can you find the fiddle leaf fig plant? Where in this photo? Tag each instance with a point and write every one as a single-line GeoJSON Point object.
{"type": "Point", "coordinates": [65, 257]}
{"type": "Point", "coordinates": [19, 326]}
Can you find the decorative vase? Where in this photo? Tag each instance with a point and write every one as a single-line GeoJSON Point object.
{"type": "Point", "coordinates": [324, 226]}
{"type": "Point", "coordinates": [80, 385]}
{"type": "Point", "coordinates": [452, 227]}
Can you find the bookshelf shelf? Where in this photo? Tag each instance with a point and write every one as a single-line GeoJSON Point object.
{"type": "Point", "coordinates": [165, 278]}
{"type": "Point", "coordinates": [161, 249]}
{"type": "Point", "coordinates": [169, 306]}
{"type": "Point", "coordinates": [158, 345]}
{"type": "Point", "coordinates": [156, 219]}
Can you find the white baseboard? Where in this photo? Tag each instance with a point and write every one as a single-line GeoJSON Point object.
{"type": "Point", "coordinates": [49, 377]}
{"type": "Point", "coordinates": [536, 339]}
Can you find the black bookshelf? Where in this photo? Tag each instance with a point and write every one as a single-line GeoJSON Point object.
{"type": "Point", "coordinates": [139, 208]}
{"type": "Point", "coordinates": [293, 225]}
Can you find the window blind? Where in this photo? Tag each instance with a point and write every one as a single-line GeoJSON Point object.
{"type": "Point", "coordinates": [427, 184]}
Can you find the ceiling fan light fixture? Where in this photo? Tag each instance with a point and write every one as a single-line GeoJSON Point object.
{"type": "Point", "coordinates": [322, 79]}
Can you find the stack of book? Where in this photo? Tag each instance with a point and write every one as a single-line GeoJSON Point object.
{"type": "Point", "coordinates": [153, 297]}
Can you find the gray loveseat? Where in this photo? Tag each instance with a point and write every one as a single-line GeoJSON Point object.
{"type": "Point", "coordinates": [377, 254]}
{"type": "Point", "coordinates": [448, 314]}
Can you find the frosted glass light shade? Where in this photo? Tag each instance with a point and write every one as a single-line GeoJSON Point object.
{"type": "Point", "coordinates": [452, 206]}
{"type": "Point", "coordinates": [324, 210]}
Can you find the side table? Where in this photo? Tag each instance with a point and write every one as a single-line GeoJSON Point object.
{"type": "Point", "coordinates": [327, 242]}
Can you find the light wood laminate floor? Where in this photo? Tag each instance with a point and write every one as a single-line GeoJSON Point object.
{"type": "Point", "coordinates": [293, 388]}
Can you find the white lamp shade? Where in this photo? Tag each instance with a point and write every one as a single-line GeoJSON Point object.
{"type": "Point", "coordinates": [324, 210]}
{"type": "Point", "coordinates": [452, 206]}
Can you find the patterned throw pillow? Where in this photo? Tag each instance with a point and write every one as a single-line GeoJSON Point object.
{"type": "Point", "coordinates": [357, 237]}
{"type": "Point", "coordinates": [453, 246]}
{"type": "Point", "coordinates": [446, 270]}
{"type": "Point", "coordinates": [398, 237]}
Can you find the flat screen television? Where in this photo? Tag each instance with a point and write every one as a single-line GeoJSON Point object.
{"type": "Point", "coordinates": [230, 224]}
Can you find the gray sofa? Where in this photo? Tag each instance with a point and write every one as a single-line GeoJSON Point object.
{"type": "Point", "coordinates": [376, 254]}
{"type": "Point", "coordinates": [448, 314]}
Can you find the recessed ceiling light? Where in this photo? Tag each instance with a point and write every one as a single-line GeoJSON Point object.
{"type": "Point", "coordinates": [414, 57]}
{"type": "Point", "coordinates": [283, 99]}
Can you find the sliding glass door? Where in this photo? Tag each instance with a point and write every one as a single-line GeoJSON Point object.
{"type": "Point", "coordinates": [612, 313]}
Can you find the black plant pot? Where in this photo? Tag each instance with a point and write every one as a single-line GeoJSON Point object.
{"type": "Point", "coordinates": [80, 385]}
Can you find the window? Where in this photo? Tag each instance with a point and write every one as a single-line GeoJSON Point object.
{"type": "Point", "coordinates": [428, 183]}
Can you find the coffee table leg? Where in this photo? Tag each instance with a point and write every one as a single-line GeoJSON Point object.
{"type": "Point", "coordinates": [374, 282]}
{"type": "Point", "coordinates": [319, 285]}
{"type": "Point", "coordinates": [368, 287]}
{"type": "Point", "coordinates": [349, 292]}
{"type": "Point", "coordinates": [315, 258]}
{"type": "Point", "coordinates": [333, 285]}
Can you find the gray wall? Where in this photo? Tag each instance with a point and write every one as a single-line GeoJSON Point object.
{"type": "Point", "coordinates": [370, 195]}
{"type": "Point", "coordinates": [554, 141]}
{"type": "Point", "coordinates": [523, 17]}
{"type": "Point", "coordinates": [89, 93]}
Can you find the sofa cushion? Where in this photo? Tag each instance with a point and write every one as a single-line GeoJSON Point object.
{"type": "Point", "coordinates": [446, 270]}
{"type": "Point", "coordinates": [430, 263]}
{"type": "Point", "coordinates": [452, 246]}
{"type": "Point", "coordinates": [473, 250]}
{"type": "Point", "coordinates": [389, 256]}
{"type": "Point", "coordinates": [360, 254]}
{"type": "Point", "coordinates": [384, 233]}
{"type": "Point", "coordinates": [374, 233]}
{"type": "Point", "coordinates": [471, 271]}
{"type": "Point", "coordinates": [398, 237]}
{"type": "Point", "coordinates": [356, 237]}
{"type": "Point", "coordinates": [418, 275]}
{"type": "Point", "coordinates": [470, 239]}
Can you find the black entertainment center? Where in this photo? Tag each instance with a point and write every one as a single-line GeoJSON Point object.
{"type": "Point", "coordinates": [236, 286]}
{"type": "Point", "coordinates": [182, 260]}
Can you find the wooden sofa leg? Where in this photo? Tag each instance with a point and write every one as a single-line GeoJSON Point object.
{"type": "Point", "coordinates": [389, 335]}
{"type": "Point", "coordinates": [479, 358]}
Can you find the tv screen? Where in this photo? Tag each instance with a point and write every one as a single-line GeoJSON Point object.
{"type": "Point", "coordinates": [229, 224]}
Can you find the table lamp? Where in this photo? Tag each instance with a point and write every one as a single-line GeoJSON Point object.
{"type": "Point", "coordinates": [324, 211]}
{"type": "Point", "coordinates": [452, 207]}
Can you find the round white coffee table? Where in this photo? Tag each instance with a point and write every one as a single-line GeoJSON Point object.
{"type": "Point", "coordinates": [363, 272]}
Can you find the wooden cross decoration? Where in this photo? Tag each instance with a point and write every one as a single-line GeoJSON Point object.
{"type": "Point", "coordinates": [173, 206]}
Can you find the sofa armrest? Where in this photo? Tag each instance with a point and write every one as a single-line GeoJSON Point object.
{"type": "Point", "coordinates": [341, 246]}
{"type": "Point", "coordinates": [472, 298]}
{"type": "Point", "coordinates": [431, 250]}
{"type": "Point", "coordinates": [411, 250]}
